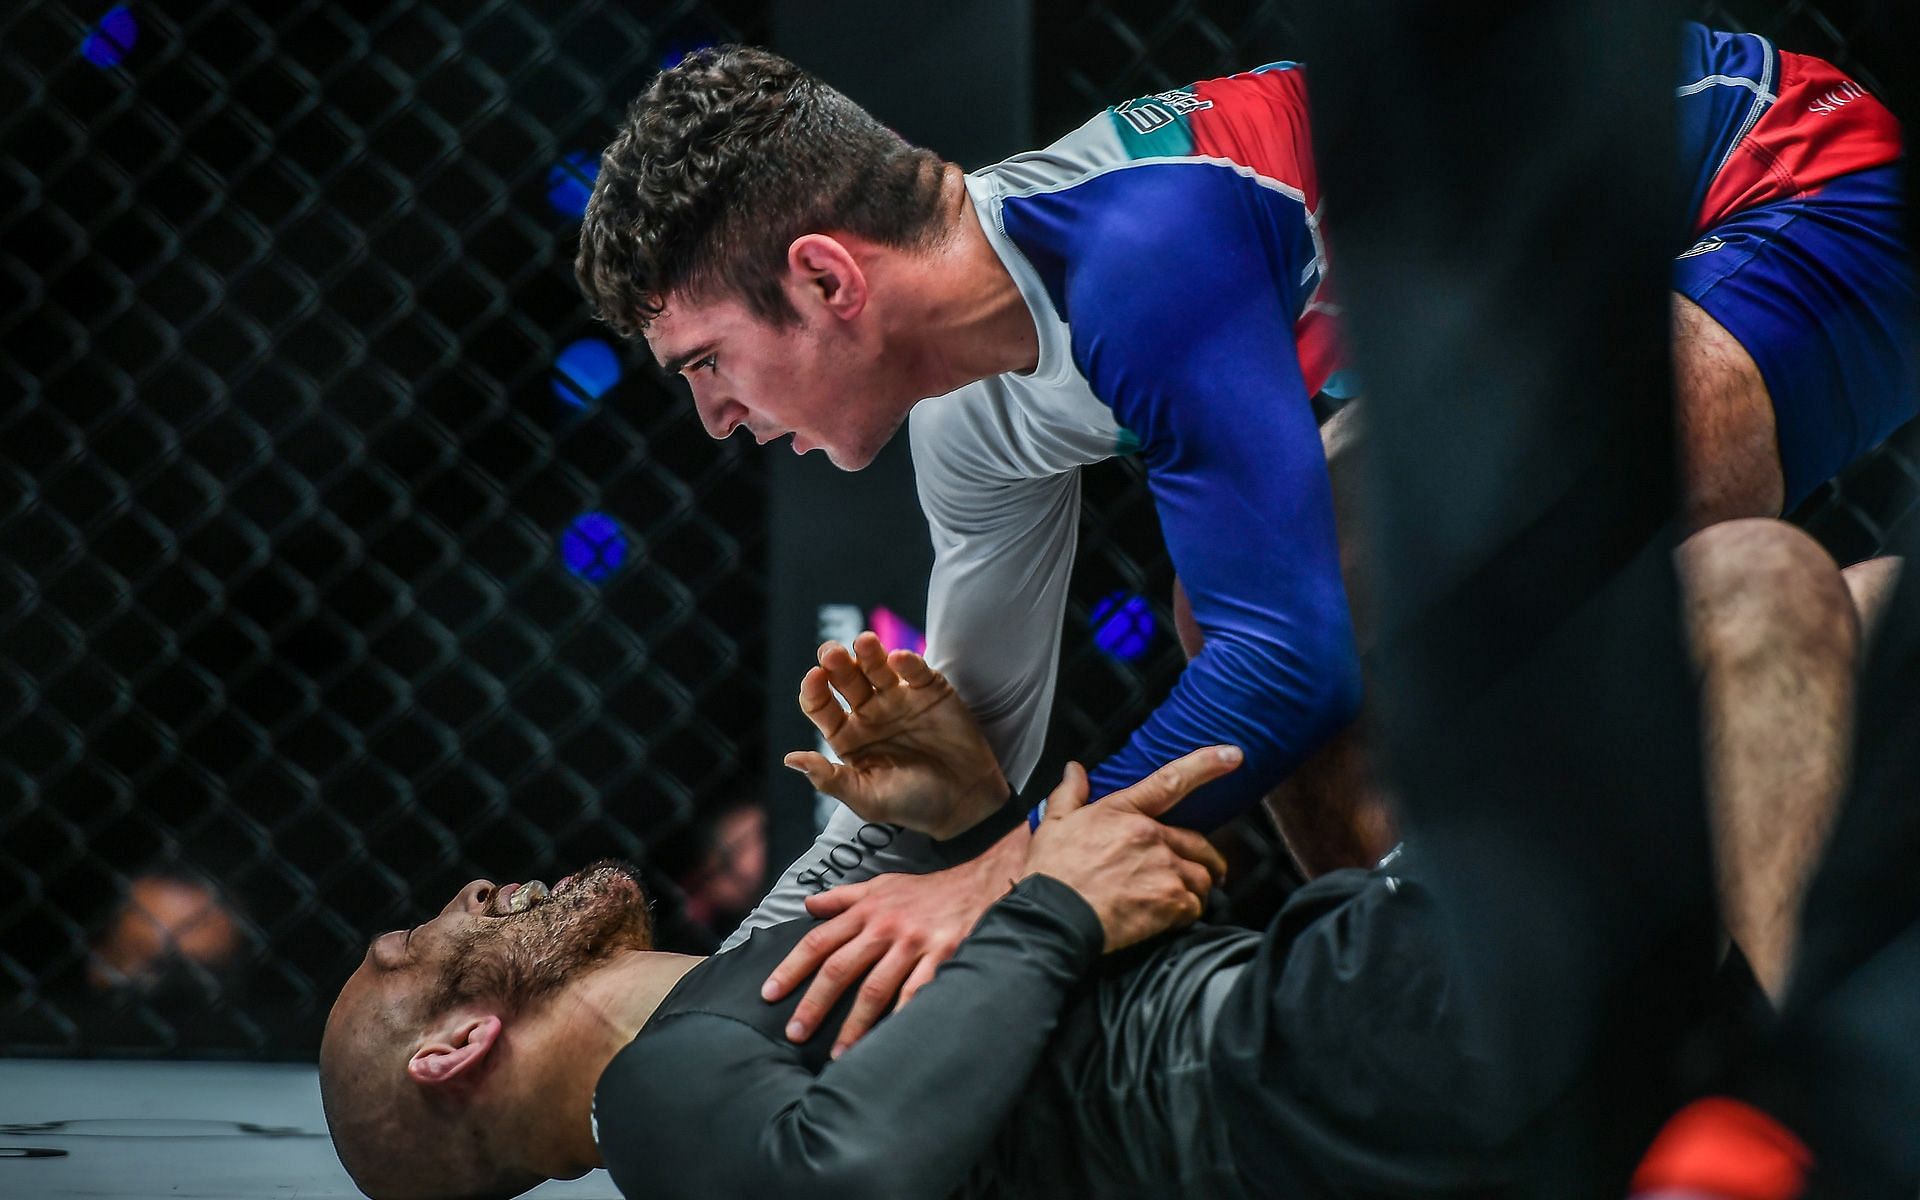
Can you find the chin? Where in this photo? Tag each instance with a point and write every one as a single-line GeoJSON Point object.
{"type": "Point", "coordinates": [861, 455]}
{"type": "Point", "coordinates": [848, 460]}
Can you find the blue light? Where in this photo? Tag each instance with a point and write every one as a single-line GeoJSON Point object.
{"type": "Point", "coordinates": [111, 38]}
{"type": "Point", "coordinates": [584, 370]}
{"type": "Point", "coordinates": [593, 546]}
{"type": "Point", "coordinates": [677, 51]}
{"type": "Point", "coordinates": [570, 183]}
{"type": "Point", "coordinates": [1123, 625]}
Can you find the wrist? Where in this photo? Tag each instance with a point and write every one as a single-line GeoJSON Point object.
{"type": "Point", "coordinates": [981, 837]}
{"type": "Point", "coordinates": [981, 801]}
{"type": "Point", "coordinates": [1004, 863]}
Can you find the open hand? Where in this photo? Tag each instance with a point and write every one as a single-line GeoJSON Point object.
{"type": "Point", "coordinates": [910, 752]}
{"type": "Point", "coordinates": [1141, 877]}
{"type": "Point", "coordinates": [888, 934]}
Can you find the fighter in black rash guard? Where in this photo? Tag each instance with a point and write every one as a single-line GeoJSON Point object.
{"type": "Point", "coordinates": [523, 1035]}
{"type": "Point", "coordinates": [1031, 1042]}
{"type": "Point", "coordinates": [1009, 1062]}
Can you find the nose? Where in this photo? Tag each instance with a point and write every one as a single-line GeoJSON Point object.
{"type": "Point", "coordinates": [471, 898]}
{"type": "Point", "coordinates": [719, 417]}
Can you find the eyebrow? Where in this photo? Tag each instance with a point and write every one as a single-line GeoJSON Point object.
{"type": "Point", "coordinates": [678, 363]}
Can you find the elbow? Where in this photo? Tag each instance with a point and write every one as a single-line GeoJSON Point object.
{"type": "Point", "coordinates": [1336, 691]}
{"type": "Point", "coordinates": [834, 1167]}
{"type": "Point", "coordinates": [1321, 697]}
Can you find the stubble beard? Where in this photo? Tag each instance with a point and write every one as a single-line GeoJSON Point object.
{"type": "Point", "coordinates": [522, 958]}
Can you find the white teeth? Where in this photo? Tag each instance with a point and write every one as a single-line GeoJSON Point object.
{"type": "Point", "coordinates": [526, 896]}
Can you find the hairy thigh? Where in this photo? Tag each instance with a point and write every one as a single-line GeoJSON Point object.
{"type": "Point", "coordinates": [1728, 446]}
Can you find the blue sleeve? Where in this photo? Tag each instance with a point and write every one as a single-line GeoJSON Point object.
{"type": "Point", "coordinates": [1181, 281]}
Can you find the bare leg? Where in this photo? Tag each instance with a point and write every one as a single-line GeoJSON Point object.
{"type": "Point", "coordinates": [1330, 813]}
{"type": "Point", "coordinates": [1729, 454]}
{"type": "Point", "coordinates": [1774, 636]}
{"type": "Point", "coordinates": [1725, 437]}
{"type": "Point", "coordinates": [1871, 583]}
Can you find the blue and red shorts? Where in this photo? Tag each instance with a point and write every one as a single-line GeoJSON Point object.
{"type": "Point", "coordinates": [1801, 253]}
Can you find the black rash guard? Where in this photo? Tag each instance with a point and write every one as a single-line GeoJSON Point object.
{"type": "Point", "coordinates": [1029, 1066]}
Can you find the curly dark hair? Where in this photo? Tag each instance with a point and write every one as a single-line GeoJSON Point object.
{"type": "Point", "coordinates": [723, 161]}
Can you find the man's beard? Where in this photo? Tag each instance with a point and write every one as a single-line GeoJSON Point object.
{"type": "Point", "coordinates": [520, 958]}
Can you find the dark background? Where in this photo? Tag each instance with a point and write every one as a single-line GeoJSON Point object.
{"type": "Point", "coordinates": [282, 471]}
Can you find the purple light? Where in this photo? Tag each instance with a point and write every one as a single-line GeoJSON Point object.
{"type": "Point", "coordinates": [111, 38]}
{"type": "Point", "coordinates": [895, 633]}
{"type": "Point", "coordinates": [1123, 625]}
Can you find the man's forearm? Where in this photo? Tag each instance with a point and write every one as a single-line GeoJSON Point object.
{"type": "Point", "coordinates": [848, 850]}
{"type": "Point", "coordinates": [906, 1112]}
{"type": "Point", "coordinates": [942, 1074]}
{"type": "Point", "coordinates": [1329, 814]}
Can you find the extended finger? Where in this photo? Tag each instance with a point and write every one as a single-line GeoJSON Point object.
{"type": "Point", "coordinates": [912, 668]}
{"type": "Point", "coordinates": [872, 657]}
{"type": "Point", "coordinates": [834, 901]}
{"type": "Point", "coordinates": [807, 955]}
{"type": "Point", "coordinates": [841, 970]}
{"type": "Point", "coordinates": [845, 674]}
{"type": "Point", "coordinates": [876, 994]}
{"type": "Point", "coordinates": [825, 776]}
{"type": "Point", "coordinates": [1194, 847]}
{"type": "Point", "coordinates": [1070, 794]}
{"type": "Point", "coordinates": [929, 964]}
{"type": "Point", "coordinates": [1169, 785]}
{"type": "Point", "coordinates": [817, 701]}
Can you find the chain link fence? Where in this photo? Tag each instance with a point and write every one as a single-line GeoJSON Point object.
{"type": "Point", "coordinates": [338, 565]}
{"type": "Point", "coordinates": [338, 562]}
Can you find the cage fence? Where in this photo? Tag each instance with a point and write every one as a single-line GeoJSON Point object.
{"type": "Point", "coordinates": [344, 557]}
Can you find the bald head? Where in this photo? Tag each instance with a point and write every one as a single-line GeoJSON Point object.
{"type": "Point", "coordinates": [430, 1065]}
{"type": "Point", "coordinates": [398, 1138]}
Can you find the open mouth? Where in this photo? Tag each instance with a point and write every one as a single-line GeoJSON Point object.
{"type": "Point", "coordinates": [511, 899]}
{"type": "Point", "coordinates": [518, 898]}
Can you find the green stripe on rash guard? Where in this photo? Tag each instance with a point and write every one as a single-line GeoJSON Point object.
{"type": "Point", "coordinates": [1126, 443]}
{"type": "Point", "coordinates": [1156, 126]}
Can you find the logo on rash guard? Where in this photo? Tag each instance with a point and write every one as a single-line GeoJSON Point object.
{"type": "Point", "coordinates": [1149, 113]}
{"type": "Point", "coordinates": [1831, 101]}
{"type": "Point", "coordinates": [832, 867]}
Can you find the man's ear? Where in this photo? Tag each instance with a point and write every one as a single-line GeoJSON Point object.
{"type": "Point", "coordinates": [826, 274]}
{"type": "Point", "coordinates": [455, 1054]}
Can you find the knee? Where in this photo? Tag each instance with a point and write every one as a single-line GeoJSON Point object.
{"type": "Point", "coordinates": [1755, 587]}
{"type": "Point", "coordinates": [1871, 583]}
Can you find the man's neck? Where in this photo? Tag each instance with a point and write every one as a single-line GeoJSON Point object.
{"type": "Point", "coordinates": [970, 320]}
{"type": "Point", "coordinates": [587, 1025]}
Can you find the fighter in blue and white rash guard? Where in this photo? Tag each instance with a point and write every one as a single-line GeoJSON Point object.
{"type": "Point", "coordinates": [1173, 256]}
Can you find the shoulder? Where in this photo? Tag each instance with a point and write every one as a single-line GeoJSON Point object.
{"type": "Point", "coordinates": [658, 1108]}
{"type": "Point", "coordinates": [963, 443]}
{"type": "Point", "coordinates": [671, 1057]}
{"type": "Point", "coordinates": [1002, 436]}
